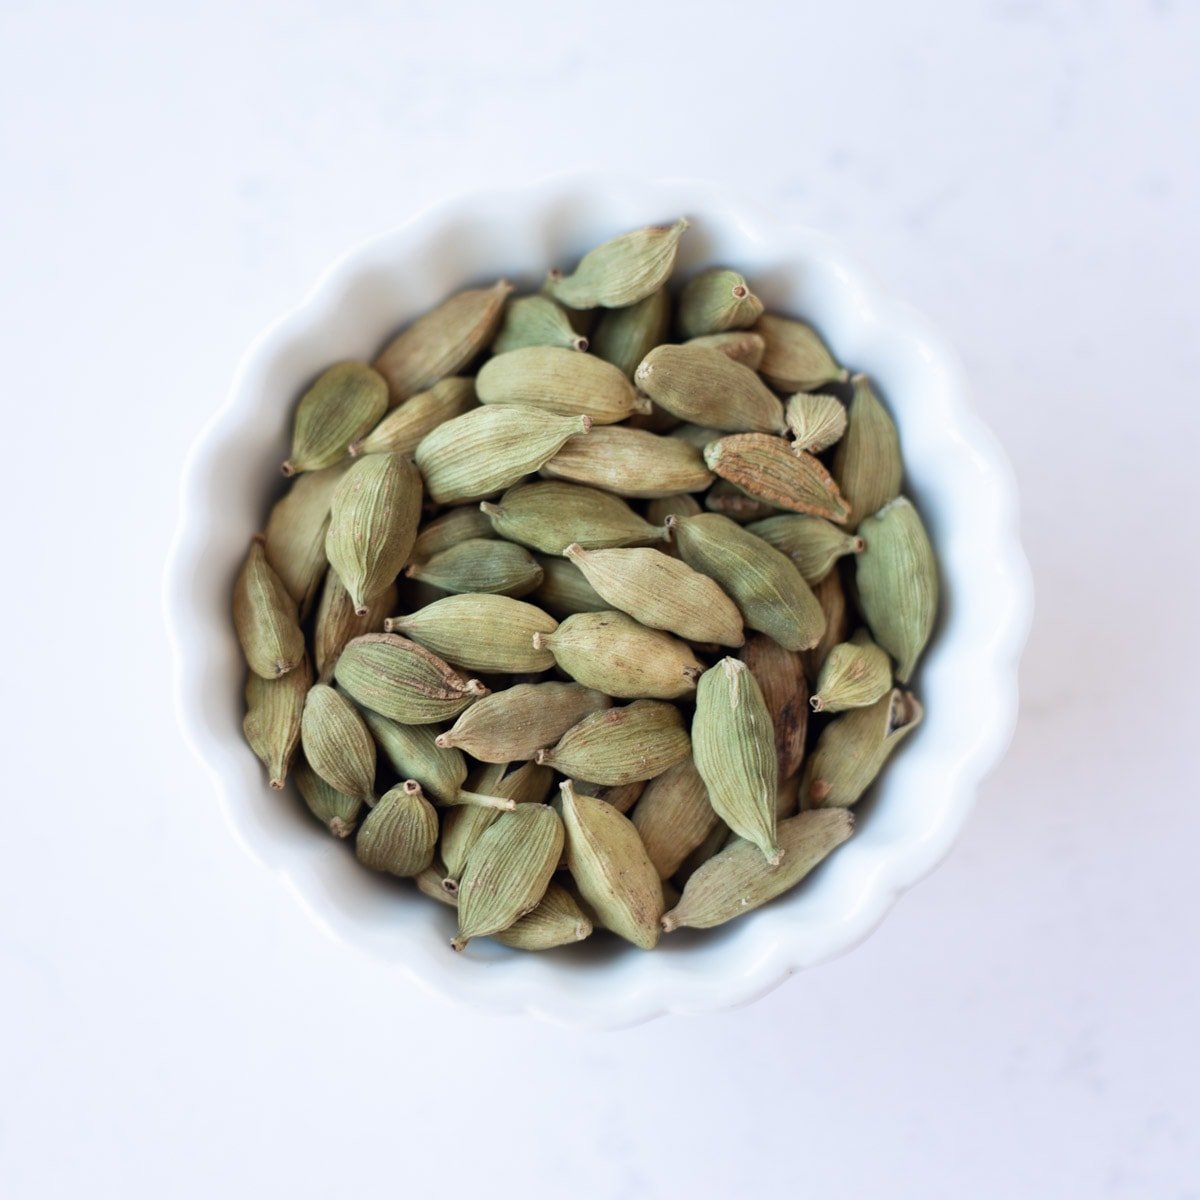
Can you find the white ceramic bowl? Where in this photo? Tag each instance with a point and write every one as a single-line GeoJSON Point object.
{"type": "Point", "coordinates": [955, 472]}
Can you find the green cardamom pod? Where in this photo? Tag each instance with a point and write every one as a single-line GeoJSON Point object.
{"type": "Point", "coordinates": [556, 921]}
{"type": "Point", "coordinates": [855, 675]}
{"type": "Point", "coordinates": [812, 543]}
{"type": "Point", "coordinates": [400, 832]}
{"type": "Point", "coordinates": [787, 804]}
{"type": "Point", "coordinates": [779, 674]}
{"type": "Point", "coordinates": [536, 321]}
{"type": "Point", "coordinates": [630, 462]}
{"type": "Point", "coordinates": [415, 753]}
{"type": "Point", "coordinates": [704, 386]}
{"type": "Point", "coordinates": [481, 632]}
{"type": "Point", "coordinates": [728, 500]}
{"type": "Point", "coordinates": [674, 816]}
{"type": "Point", "coordinates": [481, 565]}
{"type": "Point", "coordinates": [624, 336]}
{"type": "Point", "coordinates": [265, 617]}
{"type": "Point", "coordinates": [431, 882]}
{"type": "Point", "coordinates": [696, 435]}
{"type": "Point", "coordinates": [508, 871]}
{"type": "Point", "coordinates": [742, 345]}
{"type": "Point", "coordinates": [335, 810]}
{"type": "Point", "coordinates": [373, 524]}
{"type": "Point", "coordinates": [337, 743]}
{"type": "Point", "coordinates": [337, 624]}
{"type": "Point", "coordinates": [867, 462]}
{"type": "Point", "coordinates": [550, 379]}
{"type": "Point", "coordinates": [467, 799]}
{"type": "Point", "coordinates": [339, 408]}
{"type": "Point", "coordinates": [399, 679]}
{"type": "Point", "coordinates": [564, 591]}
{"type": "Point", "coordinates": [443, 341]}
{"type": "Point", "coordinates": [294, 540]}
{"type": "Point", "coordinates": [737, 880]}
{"type": "Point", "coordinates": [611, 868]}
{"type": "Point", "coordinates": [771, 593]}
{"type": "Point", "coordinates": [622, 271]}
{"type": "Point", "coordinates": [658, 510]}
{"type": "Point", "coordinates": [272, 721]}
{"type": "Point", "coordinates": [769, 469]}
{"type": "Point", "coordinates": [401, 431]}
{"type": "Point", "coordinates": [635, 741]}
{"type": "Point", "coordinates": [622, 798]}
{"type": "Point", "coordinates": [716, 301]}
{"type": "Point", "coordinates": [716, 841]}
{"type": "Point", "coordinates": [490, 448]}
{"type": "Point", "coordinates": [897, 582]}
{"type": "Point", "coordinates": [816, 421]}
{"type": "Point", "coordinates": [514, 724]}
{"type": "Point", "coordinates": [654, 420]}
{"type": "Point", "coordinates": [831, 596]}
{"type": "Point", "coordinates": [795, 358]}
{"type": "Point", "coordinates": [615, 654]}
{"type": "Point", "coordinates": [452, 527]}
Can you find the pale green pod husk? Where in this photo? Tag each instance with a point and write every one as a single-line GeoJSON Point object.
{"type": "Point", "coordinates": [457, 525]}
{"type": "Point", "coordinates": [615, 654]}
{"type": "Point", "coordinates": [816, 421]}
{"type": "Point", "coordinates": [624, 336]}
{"type": "Point", "coordinates": [337, 624]}
{"type": "Point", "coordinates": [551, 514]}
{"type": "Point", "coordinates": [373, 524]}
{"type": "Point", "coordinates": [337, 743]}
{"type": "Point", "coordinates": [771, 593]}
{"type": "Point", "coordinates": [399, 679]}
{"type": "Point", "coordinates": [265, 617]}
{"type": "Point", "coordinates": [867, 462]}
{"type": "Point", "coordinates": [742, 345]}
{"type": "Point", "coordinates": [514, 724]}
{"type": "Point", "coordinates": [716, 841]}
{"type": "Point", "coordinates": [768, 469]}
{"type": "Point", "coordinates": [508, 871]}
{"type": "Point", "coordinates": [558, 381]}
{"type": "Point", "coordinates": [812, 543]}
{"type": "Point", "coordinates": [856, 673]}
{"type": "Point", "coordinates": [622, 797]}
{"type": "Point", "coordinates": [730, 501]}
{"type": "Point", "coordinates": [536, 321]}
{"type": "Point", "coordinates": [795, 358]}
{"type": "Point", "coordinates": [481, 632]}
{"type": "Point", "coordinates": [335, 810]}
{"type": "Point", "coordinates": [400, 832]}
{"type": "Point", "coordinates": [556, 921]}
{"type": "Point", "coordinates": [339, 408]}
{"type": "Point", "coordinates": [463, 798]}
{"type": "Point", "coordinates": [662, 593]}
{"type": "Point", "coordinates": [897, 581]}
{"type": "Point", "coordinates": [414, 752]}
{"type": "Point", "coordinates": [733, 741]}
{"type": "Point", "coordinates": [481, 565]}
{"type": "Point", "coordinates": [634, 741]}
{"type": "Point", "coordinates": [564, 591]}
{"type": "Point", "coordinates": [831, 596]}
{"type": "Point", "coordinates": [779, 674]}
{"type": "Point", "coordinates": [696, 435]}
{"type": "Point", "coordinates": [431, 882]}
{"type": "Point", "coordinates": [630, 462]}
{"type": "Point", "coordinates": [658, 510]}
{"type": "Point", "coordinates": [622, 271]}
{"type": "Point", "coordinates": [490, 448]}
{"type": "Point", "coordinates": [401, 431]}
{"type": "Point", "coordinates": [294, 539]}
{"type": "Point", "coordinates": [272, 720]}
{"type": "Point", "coordinates": [442, 342]}
{"type": "Point", "coordinates": [716, 301]}
{"type": "Point", "coordinates": [738, 880]}
{"type": "Point", "coordinates": [674, 816]}
{"type": "Point", "coordinates": [702, 385]}
{"type": "Point", "coordinates": [853, 747]}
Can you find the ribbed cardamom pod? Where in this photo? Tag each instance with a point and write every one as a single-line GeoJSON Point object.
{"type": "Point", "coordinates": [624, 336]}
{"type": "Point", "coordinates": [702, 385]}
{"type": "Point", "coordinates": [831, 596]}
{"type": "Point", "coordinates": [340, 407]}
{"type": "Point", "coordinates": [400, 832]}
{"type": "Point", "coordinates": [716, 841]}
{"type": "Point", "coordinates": [733, 741]}
{"type": "Point", "coordinates": [812, 543]}
{"type": "Point", "coordinates": [536, 321]}
{"type": "Point", "coordinates": [401, 431]}
{"type": "Point", "coordinates": [337, 743]}
{"type": "Point", "coordinates": [795, 359]}
{"type": "Point", "coordinates": [737, 880]}
{"type": "Point", "coordinates": [771, 593]}
{"type": "Point", "coordinates": [508, 871]}
{"type": "Point", "coordinates": [272, 721]}
{"type": "Point", "coordinates": [488, 449]}
{"type": "Point", "coordinates": [662, 593]}
{"type": "Point", "coordinates": [742, 345]}
{"type": "Point", "coordinates": [373, 524]}
{"type": "Point", "coordinates": [658, 510]}
{"type": "Point", "coordinates": [431, 882]}
{"type": "Point", "coordinates": [399, 679]}
{"type": "Point", "coordinates": [550, 514]}
{"type": "Point", "coordinates": [415, 753]}
{"type": "Point", "coordinates": [452, 527]}
{"type": "Point", "coordinates": [564, 591]}
{"type": "Point", "coordinates": [481, 565]}
{"type": "Point", "coordinates": [335, 810]}
{"type": "Point", "coordinates": [611, 868]}
{"type": "Point", "coordinates": [443, 341]}
{"type": "Point", "coordinates": [635, 741]}
{"type": "Point", "coordinates": [514, 724]}
{"type": "Point", "coordinates": [556, 921]}
{"type": "Point", "coordinates": [816, 421]}
{"type": "Point", "coordinates": [674, 816]}
{"type": "Point", "coordinates": [294, 540]}
{"type": "Point", "coordinates": [856, 673]}
{"type": "Point", "coordinates": [696, 435]}
{"type": "Point", "coordinates": [715, 301]}
{"type": "Point", "coordinates": [728, 500]}
{"type": "Point", "coordinates": [622, 271]}
{"type": "Point", "coordinates": [631, 462]}
{"type": "Point", "coordinates": [480, 632]}
{"type": "Point", "coordinates": [622, 798]}
{"type": "Point", "coordinates": [769, 469]}
{"type": "Point", "coordinates": [265, 617]}
{"type": "Point", "coordinates": [615, 654]}
{"type": "Point", "coordinates": [867, 462]}
{"type": "Point", "coordinates": [779, 674]}
{"type": "Point", "coordinates": [852, 749]}
{"type": "Point", "coordinates": [550, 379]}
{"type": "Point", "coordinates": [897, 582]}
{"type": "Point", "coordinates": [337, 624]}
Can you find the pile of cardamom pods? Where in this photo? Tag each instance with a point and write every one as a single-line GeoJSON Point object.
{"type": "Point", "coordinates": [549, 639]}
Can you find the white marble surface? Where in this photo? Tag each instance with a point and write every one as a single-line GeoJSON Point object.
{"type": "Point", "coordinates": [175, 175]}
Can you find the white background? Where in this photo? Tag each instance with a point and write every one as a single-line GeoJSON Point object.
{"type": "Point", "coordinates": [172, 176]}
